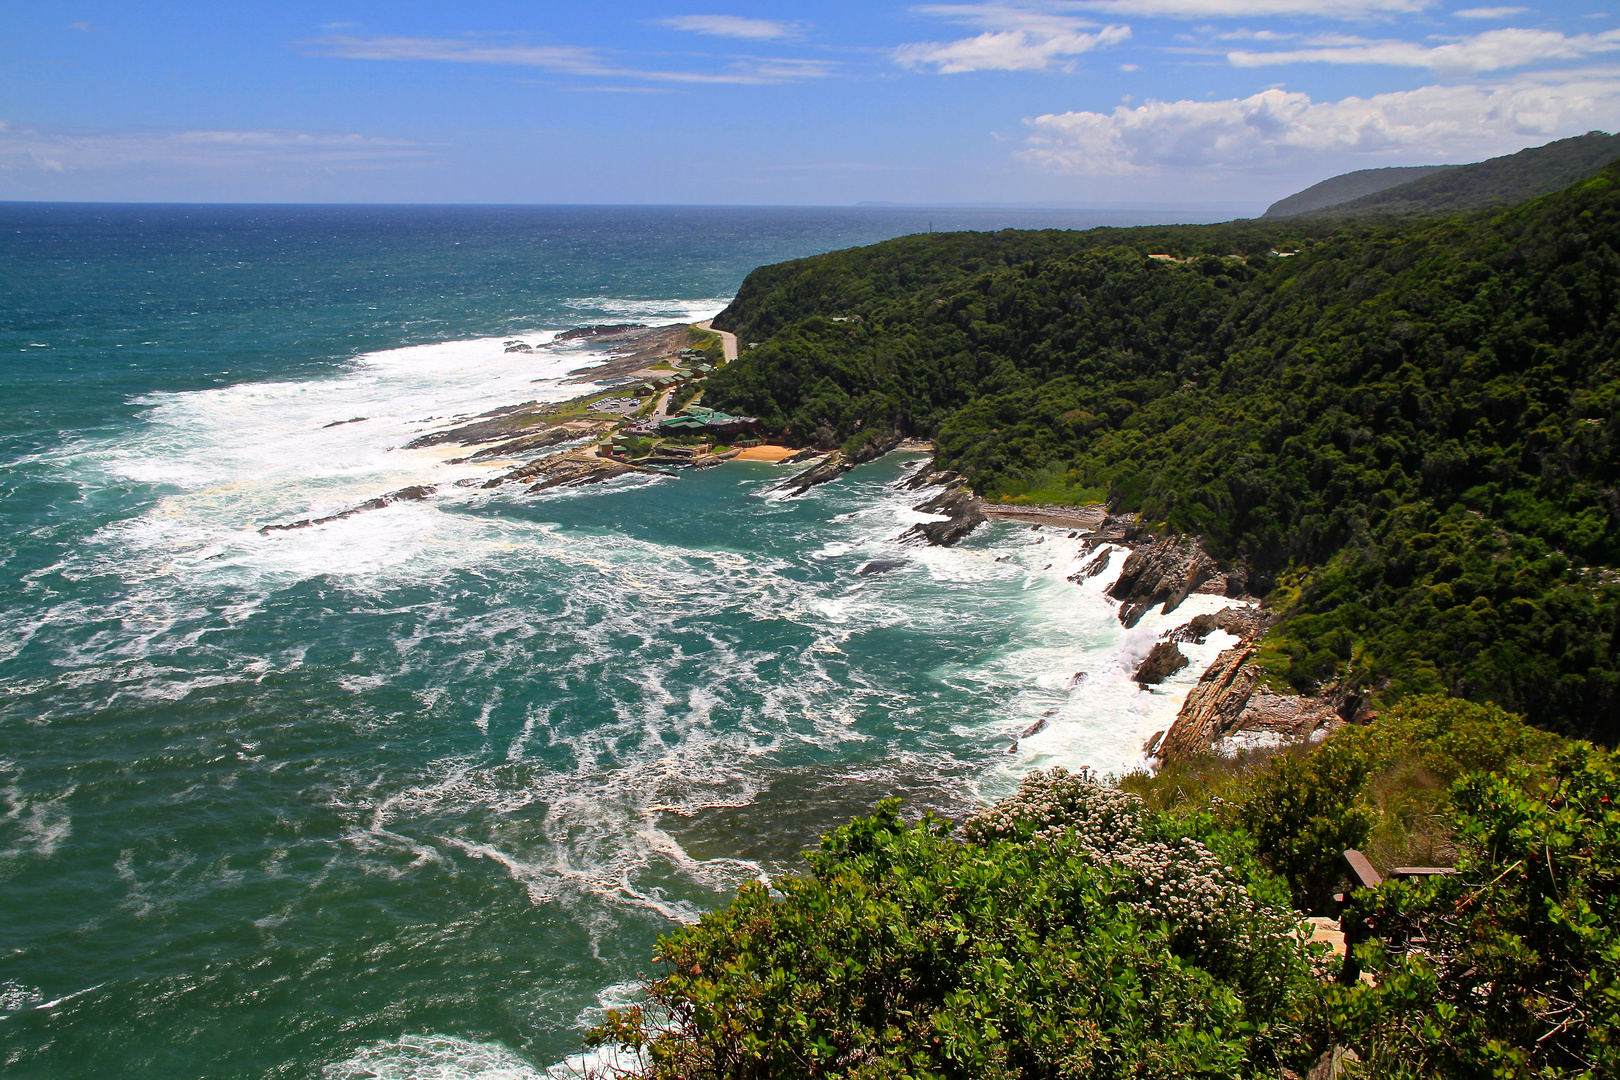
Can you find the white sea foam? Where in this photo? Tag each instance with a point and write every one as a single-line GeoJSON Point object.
{"type": "Point", "coordinates": [32, 826]}
{"type": "Point", "coordinates": [652, 311]}
{"type": "Point", "coordinates": [432, 1057]}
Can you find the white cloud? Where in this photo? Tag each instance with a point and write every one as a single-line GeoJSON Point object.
{"type": "Point", "coordinates": [82, 27]}
{"type": "Point", "coordinates": [55, 150]}
{"type": "Point", "coordinates": [1245, 9]}
{"type": "Point", "coordinates": [1432, 123]}
{"type": "Point", "coordinates": [1493, 50]}
{"type": "Point", "coordinates": [562, 59]}
{"type": "Point", "coordinates": [1489, 12]}
{"type": "Point", "coordinates": [733, 26]}
{"type": "Point", "coordinates": [1014, 39]}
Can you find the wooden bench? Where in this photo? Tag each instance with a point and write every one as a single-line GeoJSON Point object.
{"type": "Point", "coordinates": [1363, 876]}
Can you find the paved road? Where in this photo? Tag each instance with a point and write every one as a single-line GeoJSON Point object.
{"type": "Point", "coordinates": [728, 342]}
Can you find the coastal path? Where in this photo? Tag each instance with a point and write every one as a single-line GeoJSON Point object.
{"type": "Point", "coordinates": [728, 342]}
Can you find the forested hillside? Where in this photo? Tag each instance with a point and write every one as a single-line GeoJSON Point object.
{"type": "Point", "coordinates": [1347, 186]}
{"type": "Point", "coordinates": [1405, 432]}
{"type": "Point", "coordinates": [1499, 182]}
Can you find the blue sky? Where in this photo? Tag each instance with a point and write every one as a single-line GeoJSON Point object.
{"type": "Point", "coordinates": [1195, 103]}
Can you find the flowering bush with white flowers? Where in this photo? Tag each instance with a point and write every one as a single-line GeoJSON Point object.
{"type": "Point", "coordinates": [1176, 880]}
{"type": "Point", "coordinates": [1062, 939]}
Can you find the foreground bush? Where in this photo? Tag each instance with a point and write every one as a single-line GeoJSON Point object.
{"type": "Point", "coordinates": [1079, 929]}
{"type": "Point", "coordinates": [1511, 968]}
{"type": "Point", "coordinates": [1063, 939]}
{"type": "Point", "coordinates": [1385, 788]}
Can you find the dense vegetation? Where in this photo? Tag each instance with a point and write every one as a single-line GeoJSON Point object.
{"type": "Point", "coordinates": [1406, 432]}
{"type": "Point", "coordinates": [1502, 181]}
{"type": "Point", "coordinates": [1082, 930]}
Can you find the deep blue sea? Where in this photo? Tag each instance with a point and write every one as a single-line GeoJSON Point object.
{"type": "Point", "coordinates": [412, 794]}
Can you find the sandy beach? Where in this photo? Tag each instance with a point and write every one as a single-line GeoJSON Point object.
{"type": "Point", "coordinates": [766, 453]}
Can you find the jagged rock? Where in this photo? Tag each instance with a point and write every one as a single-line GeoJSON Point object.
{"type": "Point", "coordinates": [1243, 622]}
{"type": "Point", "coordinates": [875, 448]}
{"type": "Point", "coordinates": [928, 476]}
{"type": "Point", "coordinates": [1228, 703]}
{"type": "Point", "coordinates": [1195, 631]}
{"type": "Point", "coordinates": [414, 493]}
{"type": "Point", "coordinates": [1212, 707]}
{"type": "Point", "coordinates": [579, 332]}
{"type": "Point", "coordinates": [1162, 661]}
{"type": "Point", "coordinates": [548, 437]}
{"type": "Point", "coordinates": [1093, 568]}
{"type": "Point", "coordinates": [574, 468]}
{"type": "Point", "coordinates": [1166, 570]}
{"type": "Point", "coordinates": [1039, 725]}
{"type": "Point", "coordinates": [963, 515]}
{"type": "Point", "coordinates": [1282, 717]}
{"type": "Point", "coordinates": [491, 426]}
{"type": "Point", "coordinates": [881, 566]}
{"type": "Point", "coordinates": [831, 468]}
{"type": "Point", "coordinates": [808, 454]}
{"type": "Point", "coordinates": [577, 472]}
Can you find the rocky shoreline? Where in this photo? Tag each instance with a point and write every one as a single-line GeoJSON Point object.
{"type": "Point", "coordinates": [1229, 709]}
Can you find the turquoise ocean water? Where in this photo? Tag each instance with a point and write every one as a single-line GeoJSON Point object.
{"type": "Point", "coordinates": [413, 794]}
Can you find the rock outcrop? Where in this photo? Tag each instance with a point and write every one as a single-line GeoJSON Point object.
{"type": "Point", "coordinates": [875, 448]}
{"type": "Point", "coordinates": [1243, 622]}
{"type": "Point", "coordinates": [963, 510]}
{"type": "Point", "coordinates": [1162, 661]}
{"type": "Point", "coordinates": [1094, 567]}
{"type": "Point", "coordinates": [829, 468]}
{"type": "Point", "coordinates": [1166, 570]}
{"type": "Point", "coordinates": [575, 468]}
{"type": "Point", "coordinates": [962, 515]}
{"type": "Point", "coordinates": [1229, 711]}
{"type": "Point", "coordinates": [414, 493]}
{"type": "Point", "coordinates": [1271, 717]}
{"type": "Point", "coordinates": [1212, 707]}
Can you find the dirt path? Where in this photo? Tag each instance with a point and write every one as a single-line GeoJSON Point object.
{"type": "Point", "coordinates": [728, 342]}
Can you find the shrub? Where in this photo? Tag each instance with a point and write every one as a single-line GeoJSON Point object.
{"type": "Point", "coordinates": [1059, 940]}
{"type": "Point", "coordinates": [1511, 968]}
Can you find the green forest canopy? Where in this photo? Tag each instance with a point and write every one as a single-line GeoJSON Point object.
{"type": "Point", "coordinates": [1405, 431]}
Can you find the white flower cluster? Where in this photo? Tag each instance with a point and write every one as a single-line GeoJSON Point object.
{"type": "Point", "coordinates": [1180, 882]}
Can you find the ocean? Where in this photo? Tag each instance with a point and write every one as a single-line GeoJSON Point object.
{"type": "Point", "coordinates": [413, 793]}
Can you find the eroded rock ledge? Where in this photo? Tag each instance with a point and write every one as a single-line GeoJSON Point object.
{"type": "Point", "coordinates": [1166, 571]}
{"type": "Point", "coordinates": [1229, 708]}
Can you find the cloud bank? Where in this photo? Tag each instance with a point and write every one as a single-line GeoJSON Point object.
{"type": "Point", "coordinates": [1432, 123]}
{"type": "Point", "coordinates": [1354, 10]}
{"type": "Point", "coordinates": [1493, 50]}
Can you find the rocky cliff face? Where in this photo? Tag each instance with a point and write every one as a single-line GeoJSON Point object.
{"type": "Point", "coordinates": [1212, 707]}
{"type": "Point", "coordinates": [1166, 571]}
{"type": "Point", "coordinates": [1229, 707]}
